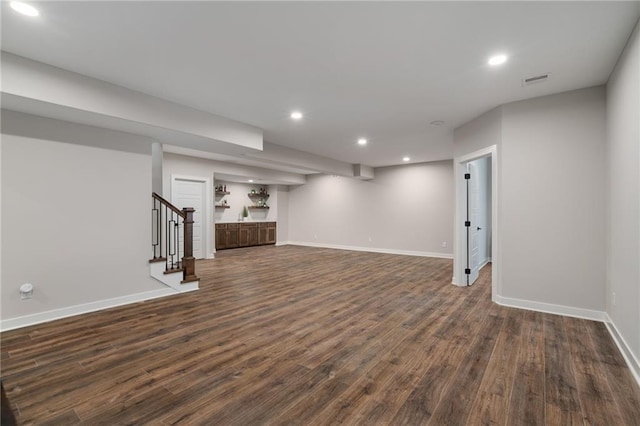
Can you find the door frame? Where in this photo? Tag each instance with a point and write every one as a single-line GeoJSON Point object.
{"type": "Point", "coordinates": [472, 216]}
{"type": "Point", "coordinates": [207, 216]}
{"type": "Point", "coordinates": [459, 231]}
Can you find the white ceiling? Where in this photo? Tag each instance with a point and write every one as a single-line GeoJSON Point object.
{"type": "Point", "coordinates": [380, 70]}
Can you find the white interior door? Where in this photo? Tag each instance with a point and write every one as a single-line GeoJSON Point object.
{"type": "Point", "coordinates": [191, 193]}
{"type": "Point", "coordinates": [474, 229]}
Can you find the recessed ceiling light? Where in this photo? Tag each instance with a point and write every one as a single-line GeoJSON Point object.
{"type": "Point", "coordinates": [362, 141]}
{"type": "Point", "coordinates": [405, 159]}
{"type": "Point", "coordinates": [24, 8]}
{"type": "Point", "coordinates": [437, 123]}
{"type": "Point", "coordinates": [497, 60]}
{"type": "Point", "coordinates": [296, 115]}
{"type": "Point", "coordinates": [250, 180]}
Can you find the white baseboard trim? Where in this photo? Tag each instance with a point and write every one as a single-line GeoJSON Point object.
{"type": "Point", "coordinates": [33, 319]}
{"type": "Point", "coordinates": [623, 347]}
{"type": "Point", "coordinates": [550, 308]}
{"type": "Point", "coordinates": [373, 249]}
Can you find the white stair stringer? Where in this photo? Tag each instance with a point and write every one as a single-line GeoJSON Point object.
{"type": "Point", "coordinates": [173, 280]}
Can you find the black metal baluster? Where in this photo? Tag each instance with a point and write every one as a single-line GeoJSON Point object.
{"type": "Point", "coordinates": [172, 243]}
{"type": "Point", "coordinates": [154, 236]}
{"type": "Point", "coordinates": [153, 207]}
{"type": "Point", "coordinates": [166, 252]}
{"type": "Point", "coordinates": [177, 241]}
{"type": "Point", "coordinates": [158, 225]}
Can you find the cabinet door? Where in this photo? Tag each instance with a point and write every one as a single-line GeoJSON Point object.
{"type": "Point", "coordinates": [221, 237]}
{"type": "Point", "coordinates": [232, 238]}
{"type": "Point", "coordinates": [271, 235]}
{"type": "Point", "coordinates": [252, 238]}
{"type": "Point", "coordinates": [247, 234]}
{"type": "Point", "coordinates": [262, 236]}
{"type": "Point", "coordinates": [243, 236]}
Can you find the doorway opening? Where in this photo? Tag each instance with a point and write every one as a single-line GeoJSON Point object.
{"type": "Point", "coordinates": [476, 225]}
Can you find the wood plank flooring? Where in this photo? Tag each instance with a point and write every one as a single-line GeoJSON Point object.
{"type": "Point", "coordinates": [306, 336]}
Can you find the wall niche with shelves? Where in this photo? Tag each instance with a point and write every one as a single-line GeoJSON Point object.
{"type": "Point", "coordinates": [221, 192]}
{"type": "Point", "coordinates": [231, 198]}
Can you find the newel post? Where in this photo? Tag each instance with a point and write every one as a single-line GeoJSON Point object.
{"type": "Point", "coordinates": [188, 261]}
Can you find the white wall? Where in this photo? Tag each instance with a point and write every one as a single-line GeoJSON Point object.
{"type": "Point", "coordinates": [282, 235]}
{"type": "Point", "coordinates": [49, 85]}
{"type": "Point", "coordinates": [481, 132]}
{"type": "Point", "coordinates": [475, 136]}
{"type": "Point", "coordinates": [1, 207]}
{"type": "Point", "coordinates": [623, 190]}
{"type": "Point", "coordinates": [174, 164]}
{"type": "Point", "coordinates": [553, 214]}
{"type": "Point", "coordinates": [75, 217]}
{"type": "Point", "coordinates": [239, 198]}
{"type": "Point", "coordinates": [405, 208]}
{"type": "Point", "coordinates": [551, 188]}
{"type": "Point", "coordinates": [178, 163]}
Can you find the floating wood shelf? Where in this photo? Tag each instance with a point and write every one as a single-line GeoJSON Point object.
{"type": "Point", "coordinates": [222, 193]}
{"type": "Point", "coordinates": [258, 207]}
{"type": "Point", "coordinates": [258, 195]}
{"type": "Point", "coordinates": [222, 207]}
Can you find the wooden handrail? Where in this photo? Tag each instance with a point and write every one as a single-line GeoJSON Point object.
{"type": "Point", "coordinates": [168, 204]}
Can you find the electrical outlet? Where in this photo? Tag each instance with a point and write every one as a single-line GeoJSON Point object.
{"type": "Point", "coordinates": [26, 291]}
{"type": "Point", "coordinates": [315, 236]}
{"type": "Point", "coordinates": [370, 239]}
{"type": "Point", "coordinates": [444, 244]}
{"type": "Point", "coordinates": [613, 298]}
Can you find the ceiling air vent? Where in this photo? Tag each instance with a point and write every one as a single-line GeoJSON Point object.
{"type": "Point", "coordinates": [535, 79]}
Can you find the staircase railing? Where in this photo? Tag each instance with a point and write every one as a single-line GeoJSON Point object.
{"type": "Point", "coordinates": [172, 237]}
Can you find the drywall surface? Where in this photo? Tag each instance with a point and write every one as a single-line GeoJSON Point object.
{"type": "Point", "coordinates": [75, 217]}
{"type": "Point", "coordinates": [552, 219]}
{"type": "Point", "coordinates": [479, 133]}
{"type": "Point", "coordinates": [282, 235]}
{"type": "Point", "coordinates": [551, 215]}
{"type": "Point", "coordinates": [44, 83]}
{"type": "Point", "coordinates": [405, 208]}
{"type": "Point", "coordinates": [239, 198]}
{"type": "Point", "coordinates": [175, 164]}
{"type": "Point", "coordinates": [623, 194]}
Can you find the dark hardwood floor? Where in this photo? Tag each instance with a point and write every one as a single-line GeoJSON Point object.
{"type": "Point", "coordinates": [295, 335]}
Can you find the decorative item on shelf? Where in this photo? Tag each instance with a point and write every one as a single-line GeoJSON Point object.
{"type": "Point", "coordinates": [221, 190]}
{"type": "Point", "coordinates": [253, 191]}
